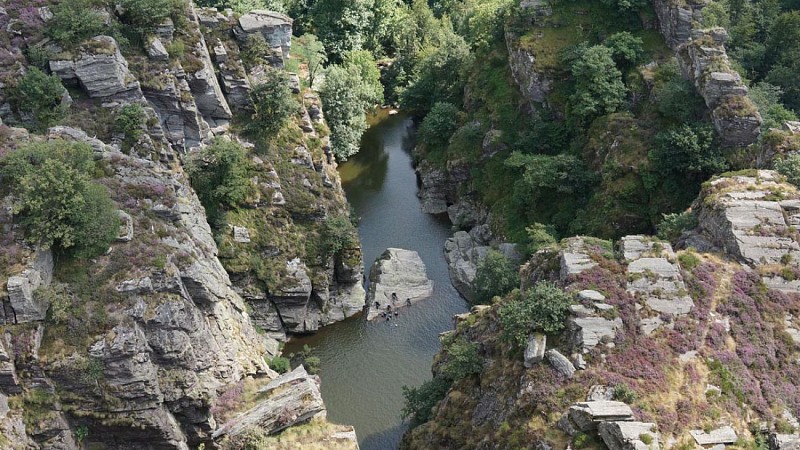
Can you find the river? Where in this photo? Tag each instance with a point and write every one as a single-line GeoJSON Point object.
{"type": "Point", "coordinates": [364, 365]}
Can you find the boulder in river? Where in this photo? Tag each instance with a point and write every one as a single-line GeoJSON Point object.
{"type": "Point", "coordinates": [401, 272]}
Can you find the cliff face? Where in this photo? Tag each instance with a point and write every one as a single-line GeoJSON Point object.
{"type": "Point", "coordinates": [161, 341]}
{"type": "Point", "coordinates": [660, 348]}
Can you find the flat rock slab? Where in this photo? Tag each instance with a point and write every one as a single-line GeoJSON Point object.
{"type": "Point", "coordinates": [722, 435]}
{"type": "Point", "coordinates": [399, 272]}
{"type": "Point", "coordinates": [587, 415]}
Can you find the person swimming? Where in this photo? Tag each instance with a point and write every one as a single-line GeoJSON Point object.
{"type": "Point", "coordinates": [394, 296]}
{"type": "Point", "coordinates": [408, 301]}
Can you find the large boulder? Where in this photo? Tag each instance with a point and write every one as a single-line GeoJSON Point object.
{"type": "Point", "coordinates": [629, 435]}
{"type": "Point", "coordinates": [463, 254]}
{"type": "Point", "coordinates": [399, 272]}
{"type": "Point", "coordinates": [275, 27]}
{"type": "Point", "coordinates": [26, 306]}
{"type": "Point", "coordinates": [290, 399]}
{"type": "Point", "coordinates": [100, 69]}
{"type": "Point", "coordinates": [586, 416]}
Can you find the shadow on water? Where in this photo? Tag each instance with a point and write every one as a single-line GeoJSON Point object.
{"type": "Point", "coordinates": [365, 365]}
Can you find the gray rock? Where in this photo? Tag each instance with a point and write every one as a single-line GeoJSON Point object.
{"type": "Point", "coordinates": [291, 399]}
{"type": "Point", "coordinates": [659, 283]}
{"type": "Point", "coordinates": [275, 27]}
{"type": "Point", "coordinates": [26, 306]}
{"type": "Point", "coordinates": [125, 227]}
{"type": "Point", "coordinates": [586, 416]}
{"type": "Point", "coordinates": [9, 383]}
{"type": "Point", "coordinates": [100, 68]}
{"type": "Point", "coordinates": [463, 255]}
{"type": "Point", "coordinates": [534, 83]}
{"type": "Point", "coordinates": [400, 272]}
{"type": "Point", "coordinates": [241, 235]}
{"type": "Point", "coordinates": [156, 50]}
{"type": "Point", "coordinates": [591, 296]}
{"type": "Point", "coordinates": [586, 332]}
{"type": "Point", "coordinates": [637, 246]}
{"type": "Point", "coordinates": [561, 364]}
{"type": "Point", "coordinates": [627, 435]}
{"type": "Point", "coordinates": [784, 441]}
{"type": "Point", "coordinates": [534, 352]}
{"type": "Point", "coordinates": [722, 435]}
{"type": "Point", "coordinates": [220, 54]}
{"type": "Point", "coordinates": [434, 190]}
{"type": "Point", "coordinates": [599, 392]}
{"type": "Point", "coordinates": [575, 258]}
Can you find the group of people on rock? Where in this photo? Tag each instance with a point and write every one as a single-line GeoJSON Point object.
{"type": "Point", "coordinates": [388, 313]}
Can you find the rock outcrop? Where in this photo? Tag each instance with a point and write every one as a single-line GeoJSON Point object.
{"type": "Point", "coordinates": [276, 29]}
{"type": "Point", "coordinates": [397, 279]}
{"type": "Point", "coordinates": [100, 69]}
{"type": "Point", "coordinates": [23, 304]}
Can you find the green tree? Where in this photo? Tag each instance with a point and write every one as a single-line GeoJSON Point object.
{"type": "Point", "coordinates": [273, 104]}
{"type": "Point", "coordinates": [57, 204]}
{"type": "Point", "coordinates": [370, 75]}
{"type": "Point", "coordinates": [626, 49]}
{"type": "Point", "coordinates": [130, 121]}
{"type": "Point", "coordinates": [420, 401]}
{"type": "Point", "coordinates": [256, 50]}
{"type": "Point", "coordinates": [687, 150]}
{"type": "Point", "coordinates": [345, 99]}
{"type": "Point", "coordinates": [598, 83]}
{"type": "Point", "coordinates": [768, 99]}
{"type": "Point", "coordinates": [439, 76]}
{"type": "Point", "coordinates": [219, 174]}
{"type": "Point", "coordinates": [495, 275]}
{"type": "Point", "coordinates": [341, 24]}
{"type": "Point", "coordinates": [439, 125]}
{"type": "Point", "coordinates": [73, 21]}
{"type": "Point", "coordinates": [541, 309]}
{"type": "Point", "coordinates": [310, 50]}
{"type": "Point", "coordinates": [338, 233]}
{"type": "Point", "coordinates": [39, 96]}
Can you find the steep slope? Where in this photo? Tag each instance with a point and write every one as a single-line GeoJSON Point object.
{"type": "Point", "coordinates": [659, 348]}
{"type": "Point", "coordinates": [151, 345]}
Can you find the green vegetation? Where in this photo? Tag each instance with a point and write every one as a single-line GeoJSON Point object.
{"type": "Point", "coordinates": [310, 50]}
{"type": "Point", "coordinates": [57, 203]}
{"type": "Point", "coordinates": [789, 166]}
{"type": "Point", "coordinates": [40, 97]}
{"type": "Point", "coordinates": [280, 364]}
{"type": "Point", "coordinates": [420, 401]}
{"type": "Point", "coordinates": [462, 360]}
{"type": "Point", "coordinates": [439, 125]}
{"type": "Point", "coordinates": [543, 309]}
{"type": "Point", "coordinates": [75, 20]}
{"type": "Point", "coordinates": [495, 276]}
{"type": "Point", "coordinates": [273, 104]}
{"type": "Point", "coordinates": [130, 121]}
{"type": "Point", "coordinates": [338, 233]}
{"type": "Point", "coordinates": [144, 15]}
{"type": "Point", "coordinates": [673, 225]}
{"type": "Point", "coordinates": [219, 174]}
{"type": "Point", "coordinates": [598, 88]}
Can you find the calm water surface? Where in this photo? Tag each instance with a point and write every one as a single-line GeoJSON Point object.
{"type": "Point", "coordinates": [365, 365]}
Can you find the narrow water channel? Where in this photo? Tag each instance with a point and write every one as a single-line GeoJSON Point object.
{"type": "Point", "coordinates": [364, 365]}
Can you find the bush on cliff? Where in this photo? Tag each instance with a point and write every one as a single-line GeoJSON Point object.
{"type": "Point", "coordinates": [598, 82]}
{"type": "Point", "coordinates": [220, 175]}
{"type": "Point", "coordinates": [542, 308]}
{"type": "Point", "coordinates": [273, 104]}
{"type": "Point", "coordinates": [57, 203]}
{"type": "Point", "coordinates": [144, 15]}
{"type": "Point", "coordinates": [73, 21]}
{"type": "Point", "coordinates": [38, 96]}
{"type": "Point", "coordinates": [495, 275]}
{"type": "Point", "coordinates": [439, 125]}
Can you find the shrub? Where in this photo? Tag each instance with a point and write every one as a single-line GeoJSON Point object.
{"type": "Point", "coordinates": [439, 125]}
{"type": "Point", "coordinates": [646, 438]}
{"type": "Point", "coordinates": [495, 275]}
{"type": "Point", "coordinates": [688, 260]}
{"type": "Point", "coordinates": [338, 233]}
{"type": "Point", "coordinates": [540, 236]}
{"type": "Point", "coordinates": [39, 95]}
{"type": "Point", "coordinates": [219, 174]}
{"type": "Point", "coordinates": [57, 203]}
{"type": "Point", "coordinates": [687, 149]}
{"type": "Point", "coordinates": [144, 15]}
{"type": "Point", "coordinates": [598, 83]}
{"type": "Point", "coordinates": [462, 360]}
{"type": "Point", "coordinates": [280, 364]}
{"type": "Point", "coordinates": [626, 48]}
{"type": "Point", "coordinates": [789, 167]}
{"type": "Point", "coordinates": [130, 121]}
{"type": "Point", "coordinates": [419, 402]}
{"type": "Point", "coordinates": [273, 104]}
{"type": "Point", "coordinates": [623, 393]}
{"type": "Point", "coordinates": [256, 50]}
{"type": "Point", "coordinates": [543, 308]}
{"type": "Point", "coordinates": [673, 225]}
{"type": "Point", "coordinates": [310, 50]}
{"type": "Point", "coordinates": [73, 21]}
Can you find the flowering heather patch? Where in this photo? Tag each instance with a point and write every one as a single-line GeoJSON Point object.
{"type": "Point", "coordinates": [643, 361]}
{"type": "Point", "coordinates": [763, 365]}
{"type": "Point", "coordinates": [229, 400]}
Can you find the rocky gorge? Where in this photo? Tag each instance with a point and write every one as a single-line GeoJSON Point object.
{"type": "Point", "coordinates": [166, 337]}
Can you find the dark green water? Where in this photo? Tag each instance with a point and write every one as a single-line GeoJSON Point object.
{"type": "Point", "coordinates": [365, 365]}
